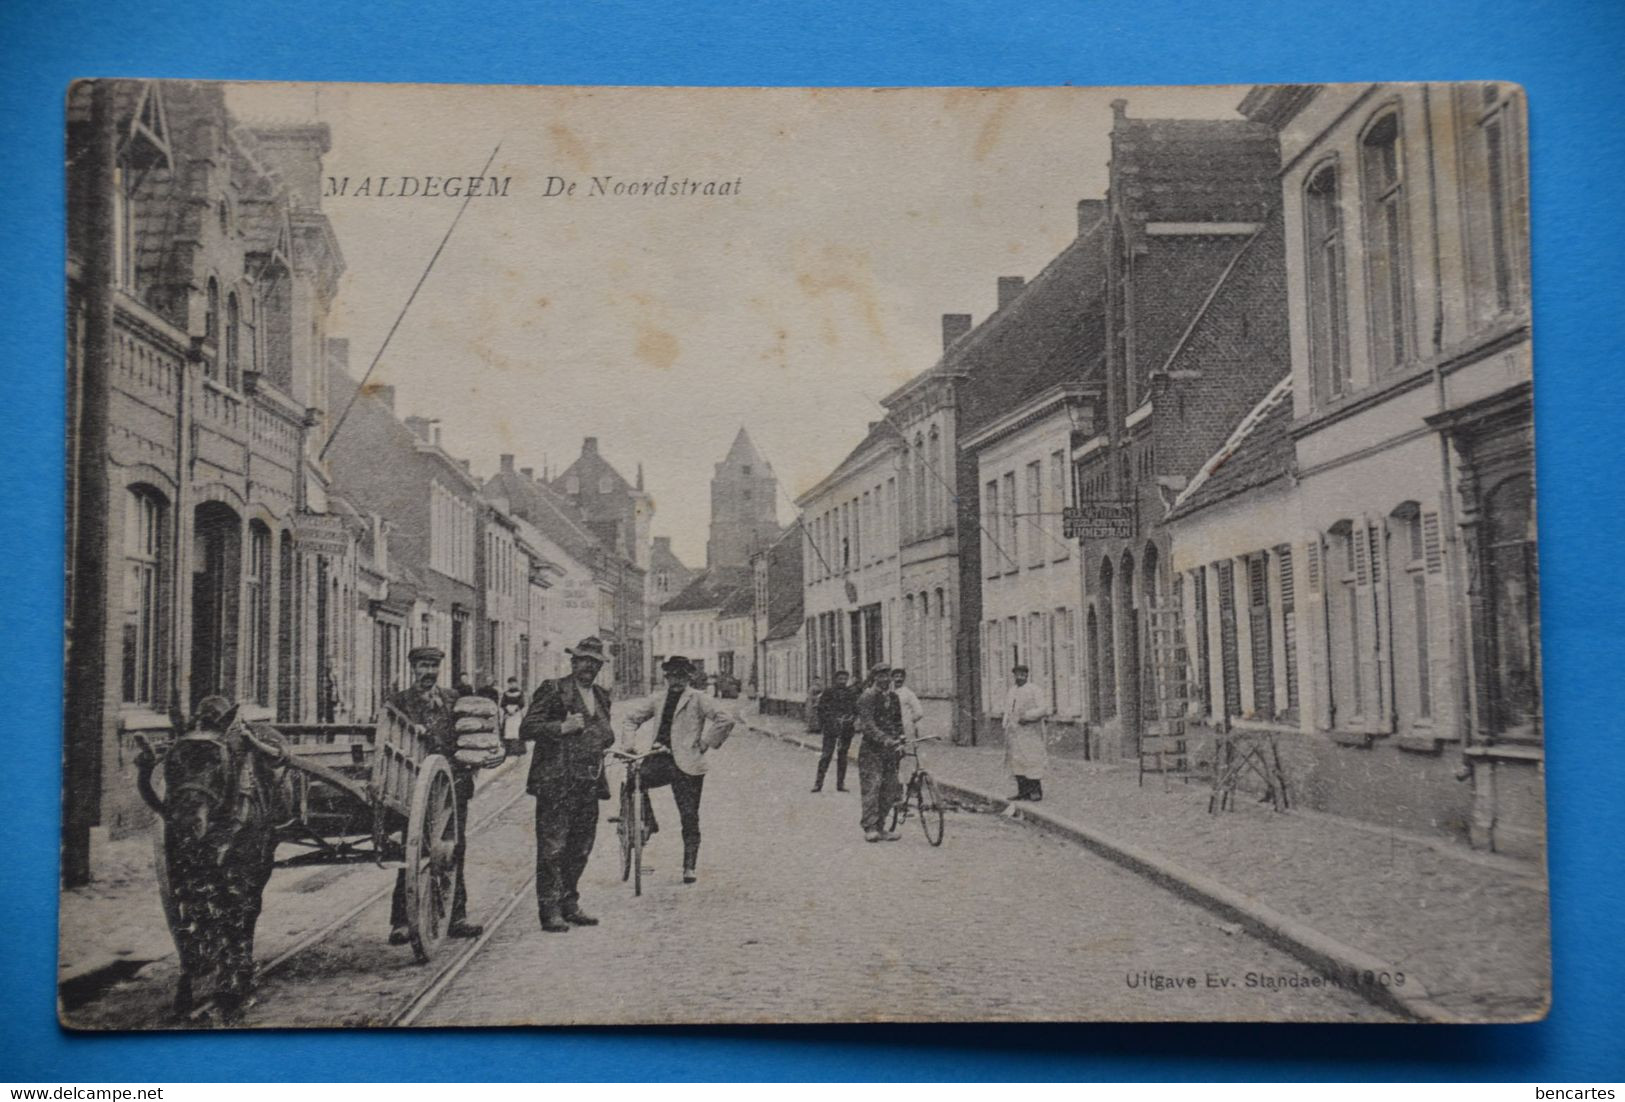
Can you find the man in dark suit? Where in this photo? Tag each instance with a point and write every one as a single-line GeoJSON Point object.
{"type": "Point", "coordinates": [880, 724]}
{"type": "Point", "coordinates": [568, 721]}
{"type": "Point", "coordinates": [430, 707]}
{"type": "Point", "coordinates": [837, 711]}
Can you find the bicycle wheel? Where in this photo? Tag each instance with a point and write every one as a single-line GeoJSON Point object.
{"type": "Point", "coordinates": [623, 829]}
{"type": "Point", "coordinates": [930, 804]}
{"type": "Point", "coordinates": [899, 810]}
{"type": "Point", "coordinates": [637, 838]}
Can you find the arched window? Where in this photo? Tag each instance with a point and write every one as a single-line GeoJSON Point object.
{"type": "Point", "coordinates": [1328, 298]}
{"type": "Point", "coordinates": [211, 325]}
{"type": "Point", "coordinates": [142, 625]}
{"type": "Point", "coordinates": [935, 518]}
{"type": "Point", "coordinates": [1387, 280]}
{"type": "Point", "coordinates": [921, 523]}
{"type": "Point", "coordinates": [233, 337]}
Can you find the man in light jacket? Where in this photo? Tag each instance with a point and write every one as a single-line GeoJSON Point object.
{"type": "Point", "coordinates": [1026, 754]}
{"type": "Point", "coordinates": [690, 725]}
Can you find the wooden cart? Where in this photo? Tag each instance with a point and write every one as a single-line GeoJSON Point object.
{"type": "Point", "coordinates": [364, 792]}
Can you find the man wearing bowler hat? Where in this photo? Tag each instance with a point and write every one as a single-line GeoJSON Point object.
{"type": "Point", "coordinates": [428, 706]}
{"type": "Point", "coordinates": [690, 725]}
{"type": "Point", "coordinates": [568, 720]}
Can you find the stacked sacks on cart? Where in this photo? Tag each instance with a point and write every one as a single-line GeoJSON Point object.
{"type": "Point", "coordinates": [479, 742]}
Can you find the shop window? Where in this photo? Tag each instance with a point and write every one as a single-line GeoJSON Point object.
{"type": "Point", "coordinates": [143, 597]}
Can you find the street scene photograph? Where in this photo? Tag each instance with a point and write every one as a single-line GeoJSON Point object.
{"type": "Point", "coordinates": [614, 556]}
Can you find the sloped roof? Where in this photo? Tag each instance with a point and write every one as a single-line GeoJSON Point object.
{"type": "Point", "coordinates": [741, 602]}
{"type": "Point", "coordinates": [1041, 338]}
{"type": "Point", "coordinates": [711, 590]}
{"type": "Point", "coordinates": [743, 452]}
{"type": "Point", "coordinates": [553, 514]}
{"type": "Point", "coordinates": [1195, 170]}
{"type": "Point", "coordinates": [1257, 453]}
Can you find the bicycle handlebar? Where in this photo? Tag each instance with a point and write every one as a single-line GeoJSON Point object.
{"type": "Point", "coordinates": [629, 758]}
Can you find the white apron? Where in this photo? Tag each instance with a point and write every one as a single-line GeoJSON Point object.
{"type": "Point", "coordinates": [1026, 749]}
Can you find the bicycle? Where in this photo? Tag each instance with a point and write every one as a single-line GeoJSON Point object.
{"type": "Point", "coordinates": [630, 829]}
{"type": "Point", "coordinates": [923, 791]}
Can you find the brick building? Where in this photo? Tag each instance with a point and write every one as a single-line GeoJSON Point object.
{"type": "Point", "coordinates": [1188, 225]}
{"type": "Point", "coordinates": [200, 552]}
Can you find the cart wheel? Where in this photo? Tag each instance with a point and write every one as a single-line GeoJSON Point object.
{"type": "Point", "coordinates": [431, 839]}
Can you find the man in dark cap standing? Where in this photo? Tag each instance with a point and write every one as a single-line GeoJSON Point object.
{"type": "Point", "coordinates": [880, 724]}
{"type": "Point", "coordinates": [569, 722]}
{"type": "Point", "coordinates": [428, 706]}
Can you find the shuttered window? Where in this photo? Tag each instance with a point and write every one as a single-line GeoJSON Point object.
{"type": "Point", "coordinates": [1258, 609]}
{"type": "Point", "coordinates": [1229, 658]}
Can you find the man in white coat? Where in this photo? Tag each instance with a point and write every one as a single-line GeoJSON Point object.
{"type": "Point", "coordinates": [690, 725]}
{"type": "Point", "coordinates": [1026, 753]}
{"type": "Point", "coordinates": [913, 710]}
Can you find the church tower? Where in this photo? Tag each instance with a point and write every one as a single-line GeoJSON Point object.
{"type": "Point", "coordinates": [744, 506]}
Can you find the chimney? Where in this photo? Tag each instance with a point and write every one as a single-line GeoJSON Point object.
{"type": "Point", "coordinates": [507, 463]}
{"type": "Point", "coordinates": [419, 427]}
{"type": "Point", "coordinates": [589, 446]}
{"type": "Point", "coordinates": [386, 395]}
{"type": "Point", "coordinates": [1119, 110]}
{"type": "Point", "coordinates": [529, 473]}
{"type": "Point", "coordinates": [434, 433]}
{"type": "Point", "coordinates": [954, 326]}
{"type": "Point", "coordinates": [1009, 288]}
{"type": "Point", "coordinates": [1091, 212]}
{"type": "Point", "coordinates": [464, 464]}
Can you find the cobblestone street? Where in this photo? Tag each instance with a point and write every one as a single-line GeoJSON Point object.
{"type": "Point", "coordinates": [797, 918]}
{"type": "Point", "coordinates": [1471, 926]}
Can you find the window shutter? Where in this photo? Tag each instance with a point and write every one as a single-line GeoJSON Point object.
{"type": "Point", "coordinates": [1382, 713]}
{"type": "Point", "coordinates": [1442, 670]}
{"type": "Point", "coordinates": [1320, 690]}
{"type": "Point", "coordinates": [1365, 615]}
{"type": "Point", "coordinates": [1432, 547]}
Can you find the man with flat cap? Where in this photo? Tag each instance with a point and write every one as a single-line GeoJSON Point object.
{"type": "Point", "coordinates": [1026, 754]}
{"type": "Point", "coordinates": [690, 725]}
{"type": "Point", "coordinates": [568, 720]}
{"type": "Point", "coordinates": [427, 705]}
{"type": "Point", "coordinates": [880, 726]}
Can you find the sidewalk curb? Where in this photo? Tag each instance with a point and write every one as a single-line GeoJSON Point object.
{"type": "Point", "coordinates": [1321, 952]}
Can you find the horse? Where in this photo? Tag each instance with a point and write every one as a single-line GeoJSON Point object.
{"type": "Point", "coordinates": [223, 797]}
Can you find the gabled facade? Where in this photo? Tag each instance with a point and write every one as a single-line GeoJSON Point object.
{"type": "Point", "coordinates": [1195, 336]}
{"type": "Point", "coordinates": [201, 555]}
{"type": "Point", "coordinates": [619, 514]}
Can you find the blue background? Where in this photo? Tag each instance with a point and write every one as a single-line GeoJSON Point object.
{"type": "Point", "coordinates": [1569, 56]}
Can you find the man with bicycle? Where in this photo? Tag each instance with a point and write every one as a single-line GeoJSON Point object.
{"type": "Point", "coordinates": [690, 725]}
{"type": "Point", "coordinates": [880, 723]}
